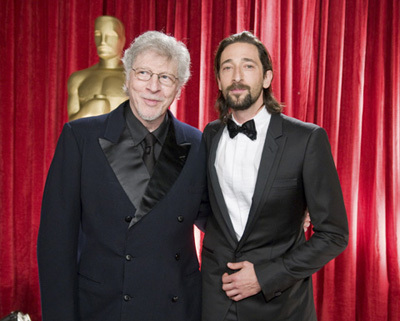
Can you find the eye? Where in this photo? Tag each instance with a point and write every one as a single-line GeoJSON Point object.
{"type": "Point", "coordinates": [165, 77]}
{"type": "Point", "coordinates": [248, 66]}
{"type": "Point", "coordinates": [111, 37]}
{"type": "Point", "coordinates": [143, 72]}
{"type": "Point", "coordinates": [226, 68]}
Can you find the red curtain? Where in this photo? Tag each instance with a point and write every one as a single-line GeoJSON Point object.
{"type": "Point", "coordinates": [336, 64]}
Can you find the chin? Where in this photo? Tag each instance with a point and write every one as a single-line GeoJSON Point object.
{"type": "Point", "coordinates": [150, 116]}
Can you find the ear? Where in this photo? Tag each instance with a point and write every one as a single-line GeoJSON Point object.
{"type": "Point", "coordinates": [219, 83]}
{"type": "Point", "coordinates": [267, 79]}
{"type": "Point", "coordinates": [178, 93]}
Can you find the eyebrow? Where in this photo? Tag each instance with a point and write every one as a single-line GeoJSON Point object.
{"type": "Point", "coordinates": [243, 59]}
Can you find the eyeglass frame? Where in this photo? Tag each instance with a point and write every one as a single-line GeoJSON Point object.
{"type": "Point", "coordinates": [173, 77]}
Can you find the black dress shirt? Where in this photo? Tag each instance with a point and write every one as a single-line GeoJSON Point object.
{"type": "Point", "coordinates": [138, 132]}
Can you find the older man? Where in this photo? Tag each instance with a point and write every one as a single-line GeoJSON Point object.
{"type": "Point", "coordinates": [265, 170]}
{"type": "Point", "coordinates": [122, 194]}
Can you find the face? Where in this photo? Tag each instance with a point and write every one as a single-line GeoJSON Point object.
{"type": "Point", "coordinates": [108, 38]}
{"type": "Point", "coordinates": [241, 77]}
{"type": "Point", "coordinates": [149, 100]}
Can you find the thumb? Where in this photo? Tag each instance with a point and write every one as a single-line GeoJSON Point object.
{"type": "Point", "coordinates": [235, 266]}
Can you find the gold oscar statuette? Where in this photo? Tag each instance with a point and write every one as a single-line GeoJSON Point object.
{"type": "Point", "coordinates": [99, 89]}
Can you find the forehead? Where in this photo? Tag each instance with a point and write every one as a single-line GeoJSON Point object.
{"type": "Point", "coordinates": [240, 51]}
{"type": "Point", "coordinates": [107, 25]}
{"type": "Point", "coordinates": [155, 61]}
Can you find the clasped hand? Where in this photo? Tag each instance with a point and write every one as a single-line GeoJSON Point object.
{"type": "Point", "coordinates": [241, 284]}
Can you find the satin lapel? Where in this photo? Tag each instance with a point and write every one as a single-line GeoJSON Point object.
{"type": "Point", "coordinates": [120, 156]}
{"type": "Point", "coordinates": [219, 197]}
{"type": "Point", "coordinates": [271, 155]}
{"type": "Point", "coordinates": [118, 148]}
{"type": "Point", "coordinates": [168, 167]}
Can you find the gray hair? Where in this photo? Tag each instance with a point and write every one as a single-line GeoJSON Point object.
{"type": "Point", "coordinates": [164, 45]}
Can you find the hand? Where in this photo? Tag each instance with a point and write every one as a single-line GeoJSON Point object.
{"type": "Point", "coordinates": [242, 283]}
{"type": "Point", "coordinates": [307, 222]}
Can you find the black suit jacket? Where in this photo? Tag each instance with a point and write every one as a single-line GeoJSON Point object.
{"type": "Point", "coordinates": [296, 172]}
{"type": "Point", "coordinates": [99, 257]}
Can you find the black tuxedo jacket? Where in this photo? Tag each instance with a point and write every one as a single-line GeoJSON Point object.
{"type": "Point", "coordinates": [100, 258]}
{"type": "Point", "coordinates": [296, 173]}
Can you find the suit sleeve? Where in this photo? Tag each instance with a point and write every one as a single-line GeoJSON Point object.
{"type": "Point", "coordinates": [59, 230]}
{"type": "Point", "coordinates": [328, 216]}
{"type": "Point", "coordinates": [204, 208]}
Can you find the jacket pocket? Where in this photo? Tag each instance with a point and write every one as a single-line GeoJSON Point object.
{"type": "Point", "coordinates": [285, 183]}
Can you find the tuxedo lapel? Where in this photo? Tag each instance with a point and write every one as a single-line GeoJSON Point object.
{"type": "Point", "coordinates": [166, 171]}
{"type": "Point", "coordinates": [219, 197]}
{"type": "Point", "coordinates": [272, 152]}
{"type": "Point", "coordinates": [119, 149]}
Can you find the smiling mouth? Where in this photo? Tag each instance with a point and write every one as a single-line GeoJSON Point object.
{"type": "Point", "coordinates": [152, 101]}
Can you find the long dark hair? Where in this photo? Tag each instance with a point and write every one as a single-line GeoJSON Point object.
{"type": "Point", "coordinates": [272, 105]}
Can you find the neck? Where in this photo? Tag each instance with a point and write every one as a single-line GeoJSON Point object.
{"type": "Point", "coordinates": [112, 63]}
{"type": "Point", "coordinates": [242, 116]}
{"type": "Point", "coordinates": [152, 125]}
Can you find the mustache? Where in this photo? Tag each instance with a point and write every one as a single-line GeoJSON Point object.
{"type": "Point", "coordinates": [239, 86]}
{"type": "Point", "coordinates": [152, 97]}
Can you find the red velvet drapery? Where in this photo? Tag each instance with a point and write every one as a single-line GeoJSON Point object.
{"type": "Point", "coordinates": [336, 63]}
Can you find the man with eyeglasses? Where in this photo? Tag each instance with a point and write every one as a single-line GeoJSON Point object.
{"type": "Point", "coordinates": [122, 194]}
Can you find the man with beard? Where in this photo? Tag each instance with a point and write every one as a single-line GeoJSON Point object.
{"type": "Point", "coordinates": [265, 171]}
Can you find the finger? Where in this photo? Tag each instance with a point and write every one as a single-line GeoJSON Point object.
{"type": "Point", "coordinates": [226, 278]}
{"type": "Point", "coordinates": [235, 266]}
{"type": "Point", "coordinates": [232, 293]}
{"type": "Point", "coordinates": [237, 297]}
{"type": "Point", "coordinates": [228, 286]}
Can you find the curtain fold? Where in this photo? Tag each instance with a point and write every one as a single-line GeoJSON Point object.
{"type": "Point", "coordinates": [336, 64]}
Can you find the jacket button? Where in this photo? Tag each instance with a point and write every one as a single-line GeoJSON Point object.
{"type": "Point", "coordinates": [177, 256]}
{"type": "Point", "coordinates": [180, 218]}
{"type": "Point", "coordinates": [128, 219]}
{"type": "Point", "coordinates": [238, 254]}
{"type": "Point", "coordinates": [127, 298]}
{"type": "Point", "coordinates": [175, 298]}
{"type": "Point", "coordinates": [128, 257]}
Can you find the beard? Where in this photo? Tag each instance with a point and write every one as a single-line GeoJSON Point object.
{"type": "Point", "coordinates": [235, 103]}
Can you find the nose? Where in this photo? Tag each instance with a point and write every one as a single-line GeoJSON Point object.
{"type": "Point", "coordinates": [237, 74]}
{"type": "Point", "coordinates": [103, 39]}
{"type": "Point", "coordinates": [153, 84]}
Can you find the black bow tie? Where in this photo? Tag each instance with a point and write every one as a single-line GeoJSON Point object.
{"type": "Point", "coordinates": [248, 128]}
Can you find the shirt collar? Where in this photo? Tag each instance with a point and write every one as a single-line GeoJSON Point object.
{"type": "Point", "coordinates": [261, 119]}
{"type": "Point", "coordinates": [139, 131]}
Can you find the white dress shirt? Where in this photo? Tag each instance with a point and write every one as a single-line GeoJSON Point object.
{"type": "Point", "coordinates": [237, 163]}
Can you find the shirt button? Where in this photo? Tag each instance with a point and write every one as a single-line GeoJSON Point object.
{"type": "Point", "coordinates": [128, 219]}
{"type": "Point", "coordinates": [175, 298]}
{"type": "Point", "coordinates": [128, 257]}
{"type": "Point", "coordinates": [180, 218]}
{"type": "Point", "coordinates": [127, 298]}
{"type": "Point", "coordinates": [177, 256]}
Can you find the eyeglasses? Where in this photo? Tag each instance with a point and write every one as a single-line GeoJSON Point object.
{"type": "Point", "coordinates": [164, 78]}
